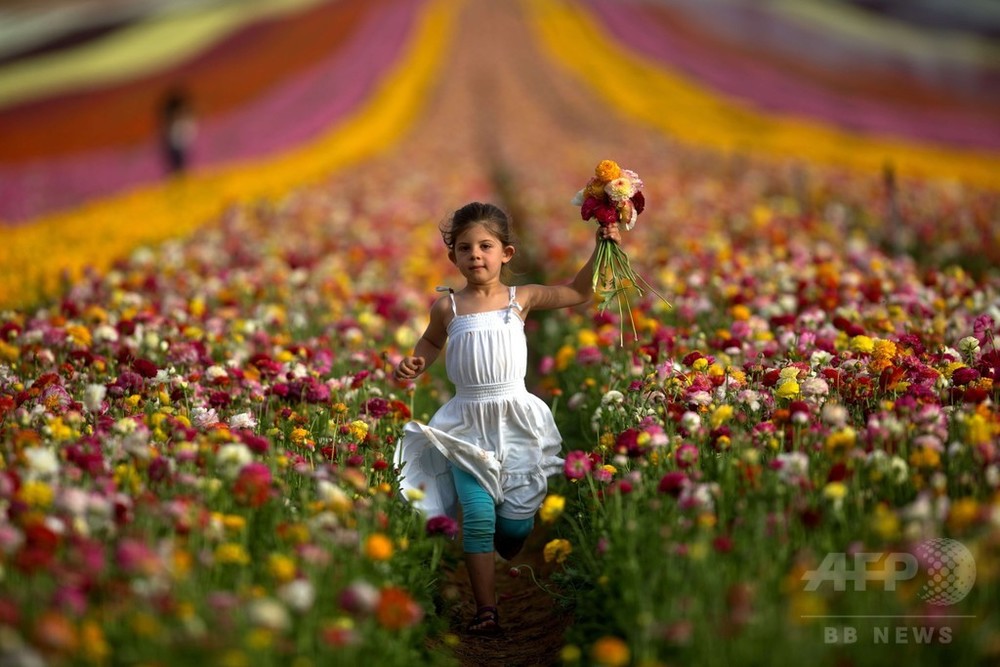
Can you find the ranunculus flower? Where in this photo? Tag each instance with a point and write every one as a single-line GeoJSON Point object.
{"type": "Point", "coordinates": [397, 610]}
{"type": "Point", "coordinates": [253, 485]}
{"type": "Point", "coordinates": [964, 375]}
{"type": "Point", "coordinates": [552, 508]}
{"type": "Point", "coordinates": [577, 465]}
{"type": "Point", "coordinates": [557, 550]}
{"type": "Point", "coordinates": [442, 525]}
{"type": "Point", "coordinates": [673, 483]}
{"type": "Point", "coordinates": [607, 170]}
{"type": "Point", "coordinates": [686, 455]}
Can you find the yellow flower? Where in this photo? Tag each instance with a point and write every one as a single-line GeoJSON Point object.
{"type": "Point", "coordinates": [841, 440]}
{"type": "Point", "coordinates": [925, 457]}
{"type": "Point", "coordinates": [552, 508]}
{"type": "Point", "coordinates": [557, 550]}
{"type": "Point", "coordinates": [378, 547]}
{"type": "Point", "coordinates": [564, 356]}
{"type": "Point", "coordinates": [787, 389]}
{"type": "Point", "coordinates": [884, 349]}
{"type": "Point", "coordinates": [977, 430]}
{"type": "Point", "coordinates": [79, 335]}
{"type": "Point", "coordinates": [835, 491]}
{"type": "Point", "coordinates": [607, 170]}
{"type": "Point", "coordinates": [721, 415]}
{"type": "Point", "coordinates": [570, 654]}
{"type": "Point", "coordinates": [885, 522]}
{"type": "Point", "coordinates": [234, 522]}
{"type": "Point", "coordinates": [610, 651]}
{"type": "Point", "coordinates": [358, 429]}
{"type": "Point", "coordinates": [587, 337]}
{"type": "Point", "coordinates": [92, 642]}
{"type": "Point", "coordinates": [298, 436]}
{"type": "Point", "coordinates": [740, 312]}
{"type": "Point", "coordinates": [700, 364]}
{"type": "Point", "coordinates": [231, 553]}
{"type": "Point", "coordinates": [862, 344]}
{"type": "Point", "coordinates": [9, 352]}
{"type": "Point", "coordinates": [962, 514]}
{"type": "Point", "coordinates": [36, 494]}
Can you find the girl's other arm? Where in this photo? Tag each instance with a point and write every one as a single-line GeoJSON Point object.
{"type": "Point", "coordinates": [429, 346]}
{"type": "Point", "coordinates": [579, 290]}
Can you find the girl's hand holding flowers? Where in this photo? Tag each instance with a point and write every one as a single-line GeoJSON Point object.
{"type": "Point", "coordinates": [611, 197]}
{"type": "Point", "coordinates": [609, 233]}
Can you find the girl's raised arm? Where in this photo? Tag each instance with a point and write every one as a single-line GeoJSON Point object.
{"type": "Point", "coordinates": [430, 344]}
{"type": "Point", "coordinates": [579, 290]}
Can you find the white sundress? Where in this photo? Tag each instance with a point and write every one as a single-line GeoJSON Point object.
{"type": "Point", "coordinates": [493, 428]}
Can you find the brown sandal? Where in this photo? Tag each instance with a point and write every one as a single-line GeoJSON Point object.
{"type": "Point", "coordinates": [485, 622]}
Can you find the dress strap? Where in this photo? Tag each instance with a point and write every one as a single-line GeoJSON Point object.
{"type": "Point", "coordinates": [513, 299]}
{"type": "Point", "coordinates": [451, 295]}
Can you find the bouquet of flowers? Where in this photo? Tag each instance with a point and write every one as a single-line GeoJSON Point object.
{"type": "Point", "coordinates": [613, 195]}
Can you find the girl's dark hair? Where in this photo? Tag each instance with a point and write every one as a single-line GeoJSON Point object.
{"type": "Point", "coordinates": [490, 216]}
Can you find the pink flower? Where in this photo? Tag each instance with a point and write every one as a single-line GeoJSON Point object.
{"type": "Point", "coordinates": [442, 525]}
{"type": "Point", "coordinates": [577, 465]}
{"type": "Point", "coordinates": [686, 455]}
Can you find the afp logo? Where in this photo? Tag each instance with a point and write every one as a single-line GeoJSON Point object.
{"type": "Point", "coordinates": [947, 565]}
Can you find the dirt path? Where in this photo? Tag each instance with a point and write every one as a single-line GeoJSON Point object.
{"type": "Point", "coordinates": [533, 622]}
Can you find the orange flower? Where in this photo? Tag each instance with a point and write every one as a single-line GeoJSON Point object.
{"type": "Point", "coordinates": [378, 547]}
{"type": "Point", "coordinates": [607, 170]}
{"type": "Point", "coordinates": [610, 651]}
{"type": "Point", "coordinates": [397, 610]}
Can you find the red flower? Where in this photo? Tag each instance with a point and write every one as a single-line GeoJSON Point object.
{"type": "Point", "coordinates": [639, 202]}
{"type": "Point", "coordinates": [253, 486]}
{"type": "Point", "coordinates": [601, 209]}
{"type": "Point", "coordinates": [672, 483]}
{"type": "Point", "coordinates": [397, 610]}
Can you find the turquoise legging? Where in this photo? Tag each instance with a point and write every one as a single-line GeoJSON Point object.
{"type": "Point", "coordinates": [480, 523]}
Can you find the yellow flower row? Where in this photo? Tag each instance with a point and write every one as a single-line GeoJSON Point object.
{"type": "Point", "coordinates": [34, 256]}
{"type": "Point", "coordinates": [682, 108]}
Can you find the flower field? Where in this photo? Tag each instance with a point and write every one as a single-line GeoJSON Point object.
{"type": "Point", "coordinates": [197, 416]}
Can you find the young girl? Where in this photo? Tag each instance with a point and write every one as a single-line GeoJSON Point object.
{"type": "Point", "coordinates": [492, 446]}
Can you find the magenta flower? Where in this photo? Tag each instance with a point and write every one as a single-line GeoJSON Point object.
{"type": "Point", "coordinates": [577, 465]}
{"type": "Point", "coordinates": [673, 483]}
{"type": "Point", "coordinates": [442, 525]}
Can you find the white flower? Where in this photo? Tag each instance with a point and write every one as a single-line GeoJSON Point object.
{"type": "Point", "coordinates": [232, 457]}
{"type": "Point", "coordinates": [794, 467]}
{"type": "Point", "coordinates": [815, 387]}
{"type": "Point", "coordinates": [691, 421]}
{"type": "Point", "coordinates": [203, 417]}
{"type": "Point", "coordinates": [270, 614]}
{"type": "Point", "coordinates": [834, 414]}
{"type": "Point", "coordinates": [42, 463]}
{"type": "Point", "coordinates": [106, 333]}
{"type": "Point", "coordinates": [243, 420]}
{"type": "Point", "coordinates": [215, 372]}
{"type": "Point", "coordinates": [613, 396]}
{"type": "Point", "coordinates": [620, 189]}
{"type": "Point", "coordinates": [93, 397]}
{"type": "Point", "coordinates": [299, 595]}
{"type": "Point", "coordinates": [969, 346]}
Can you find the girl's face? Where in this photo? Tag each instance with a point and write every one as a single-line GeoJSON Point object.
{"type": "Point", "coordinates": [479, 254]}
